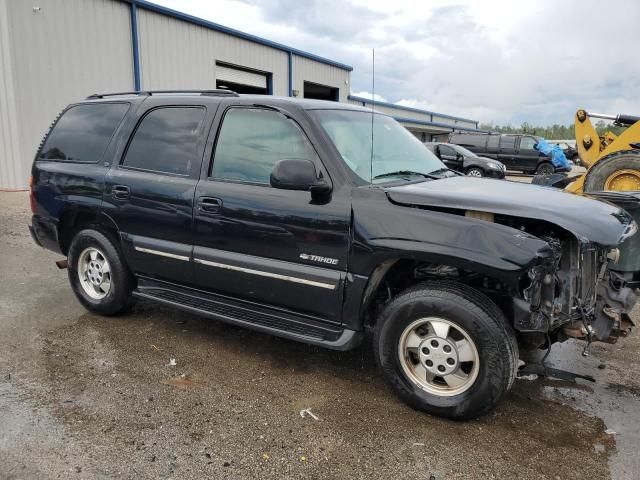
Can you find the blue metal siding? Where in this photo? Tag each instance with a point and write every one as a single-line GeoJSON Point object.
{"type": "Point", "coordinates": [134, 46]}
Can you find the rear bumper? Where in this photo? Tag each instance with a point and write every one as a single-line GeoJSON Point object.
{"type": "Point", "coordinates": [45, 233]}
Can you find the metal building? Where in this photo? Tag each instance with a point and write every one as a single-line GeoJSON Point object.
{"type": "Point", "coordinates": [54, 52]}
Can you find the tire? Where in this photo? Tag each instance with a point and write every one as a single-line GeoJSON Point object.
{"type": "Point", "coordinates": [474, 172]}
{"type": "Point", "coordinates": [546, 169]}
{"type": "Point", "coordinates": [607, 166]}
{"type": "Point", "coordinates": [97, 259]}
{"type": "Point", "coordinates": [468, 312]}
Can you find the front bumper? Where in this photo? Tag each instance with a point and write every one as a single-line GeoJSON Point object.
{"type": "Point", "coordinates": [496, 173]}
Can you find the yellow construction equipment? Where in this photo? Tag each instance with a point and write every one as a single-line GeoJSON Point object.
{"type": "Point", "coordinates": [613, 174]}
{"type": "Point", "coordinates": [612, 161]}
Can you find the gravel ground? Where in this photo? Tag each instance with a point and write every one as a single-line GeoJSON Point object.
{"type": "Point", "coordinates": [88, 397]}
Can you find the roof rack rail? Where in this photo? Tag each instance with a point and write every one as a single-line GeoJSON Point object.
{"type": "Point", "coordinates": [210, 93]}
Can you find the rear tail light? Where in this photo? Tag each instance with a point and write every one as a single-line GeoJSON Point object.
{"type": "Point", "coordinates": [32, 199]}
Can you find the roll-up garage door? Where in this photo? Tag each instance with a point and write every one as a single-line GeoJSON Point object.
{"type": "Point", "coordinates": [241, 77]}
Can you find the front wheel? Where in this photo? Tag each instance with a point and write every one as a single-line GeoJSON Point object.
{"type": "Point", "coordinates": [446, 349]}
{"type": "Point", "coordinates": [98, 275]}
{"type": "Point", "coordinates": [545, 169]}
{"type": "Point", "coordinates": [475, 172]}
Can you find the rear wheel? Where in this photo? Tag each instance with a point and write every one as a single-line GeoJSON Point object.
{"type": "Point", "coordinates": [545, 168]}
{"type": "Point", "coordinates": [446, 349]}
{"type": "Point", "coordinates": [475, 172]}
{"type": "Point", "coordinates": [98, 275]}
{"type": "Point", "coordinates": [619, 171]}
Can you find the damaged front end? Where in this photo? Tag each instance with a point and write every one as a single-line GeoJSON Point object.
{"type": "Point", "coordinates": [575, 293]}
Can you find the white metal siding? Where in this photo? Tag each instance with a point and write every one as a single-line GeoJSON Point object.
{"type": "Point", "coordinates": [241, 77]}
{"type": "Point", "coordinates": [60, 54]}
{"type": "Point", "coordinates": [422, 116]}
{"type": "Point", "coordinates": [305, 69]}
{"type": "Point", "coordinates": [10, 168]}
{"type": "Point", "coordinates": [177, 54]}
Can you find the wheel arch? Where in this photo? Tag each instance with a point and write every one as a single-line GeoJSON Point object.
{"type": "Point", "coordinates": [73, 220]}
{"type": "Point", "coordinates": [394, 275]}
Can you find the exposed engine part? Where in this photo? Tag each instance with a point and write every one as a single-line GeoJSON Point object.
{"type": "Point", "coordinates": [440, 271]}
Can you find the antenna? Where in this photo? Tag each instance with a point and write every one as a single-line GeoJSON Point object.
{"type": "Point", "coordinates": [373, 101]}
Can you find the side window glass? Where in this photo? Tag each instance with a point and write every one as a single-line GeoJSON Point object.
{"type": "Point", "coordinates": [527, 143]}
{"type": "Point", "coordinates": [166, 141]}
{"type": "Point", "coordinates": [448, 151]}
{"type": "Point", "coordinates": [83, 132]}
{"type": "Point", "coordinates": [252, 140]}
{"type": "Point", "coordinates": [492, 142]}
{"type": "Point", "coordinates": [508, 142]}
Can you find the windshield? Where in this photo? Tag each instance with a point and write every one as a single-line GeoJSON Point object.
{"type": "Point", "coordinates": [464, 151]}
{"type": "Point", "coordinates": [395, 149]}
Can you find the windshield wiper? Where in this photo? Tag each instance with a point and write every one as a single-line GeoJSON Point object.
{"type": "Point", "coordinates": [400, 173]}
{"type": "Point", "coordinates": [442, 170]}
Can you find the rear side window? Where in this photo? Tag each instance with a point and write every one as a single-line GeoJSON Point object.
{"type": "Point", "coordinates": [166, 141]}
{"type": "Point", "coordinates": [252, 140]}
{"type": "Point", "coordinates": [508, 141]}
{"type": "Point", "coordinates": [469, 140]}
{"type": "Point", "coordinates": [83, 132]}
{"type": "Point", "coordinates": [492, 142]}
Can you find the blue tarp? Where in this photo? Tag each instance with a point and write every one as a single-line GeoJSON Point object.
{"type": "Point", "coordinates": [554, 151]}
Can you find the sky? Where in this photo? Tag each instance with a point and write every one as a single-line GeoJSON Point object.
{"type": "Point", "coordinates": [500, 62]}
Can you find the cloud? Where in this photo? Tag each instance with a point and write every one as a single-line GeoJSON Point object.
{"type": "Point", "coordinates": [495, 61]}
{"type": "Point", "coordinates": [369, 95]}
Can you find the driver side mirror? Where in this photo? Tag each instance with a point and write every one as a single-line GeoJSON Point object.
{"type": "Point", "coordinates": [297, 174]}
{"type": "Point", "coordinates": [459, 156]}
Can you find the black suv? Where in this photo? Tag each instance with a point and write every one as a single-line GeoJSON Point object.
{"type": "Point", "coordinates": [280, 215]}
{"type": "Point", "coordinates": [517, 152]}
{"type": "Point", "coordinates": [465, 161]}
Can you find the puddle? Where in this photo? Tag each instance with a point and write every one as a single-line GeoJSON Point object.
{"type": "Point", "coordinates": [616, 404]}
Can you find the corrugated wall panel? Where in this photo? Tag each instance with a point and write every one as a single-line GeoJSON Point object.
{"type": "Point", "coordinates": [425, 117]}
{"type": "Point", "coordinates": [306, 69]}
{"type": "Point", "coordinates": [177, 54]}
{"type": "Point", "coordinates": [9, 145]}
{"type": "Point", "coordinates": [61, 53]}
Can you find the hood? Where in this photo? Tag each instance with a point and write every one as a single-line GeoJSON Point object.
{"type": "Point", "coordinates": [588, 219]}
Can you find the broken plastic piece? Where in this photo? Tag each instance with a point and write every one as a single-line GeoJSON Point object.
{"type": "Point", "coordinates": [307, 411]}
{"type": "Point", "coordinates": [172, 362]}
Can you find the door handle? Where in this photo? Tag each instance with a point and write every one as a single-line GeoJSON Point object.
{"type": "Point", "coordinates": [121, 192]}
{"type": "Point", "coordinates": [209, 204]}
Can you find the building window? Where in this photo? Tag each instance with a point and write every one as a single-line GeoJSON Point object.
{"type": "Point", "coordinates": [321, 92]}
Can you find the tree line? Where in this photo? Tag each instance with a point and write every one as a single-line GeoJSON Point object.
{"type": "Point", "coordinates": [553, 132]}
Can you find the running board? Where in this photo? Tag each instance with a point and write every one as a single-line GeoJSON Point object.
{"type": "Point", "coordinates": [249, 315]}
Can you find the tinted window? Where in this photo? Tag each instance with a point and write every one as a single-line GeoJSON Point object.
{"type": "Point", "coordinates": [527, 143]}
{"type": "Point", "coordinates": [83, 132]}
{"type": "Point", "coordinates": [166, 141]}
{"type": "Point", "coordinates": [492, 142]}
{"type": "Point", "coordinates": [252, 140]}
{"type": "Point", "coordinates": [508, 141]}
{"type": "Point", "coordinates": [469, 140]}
